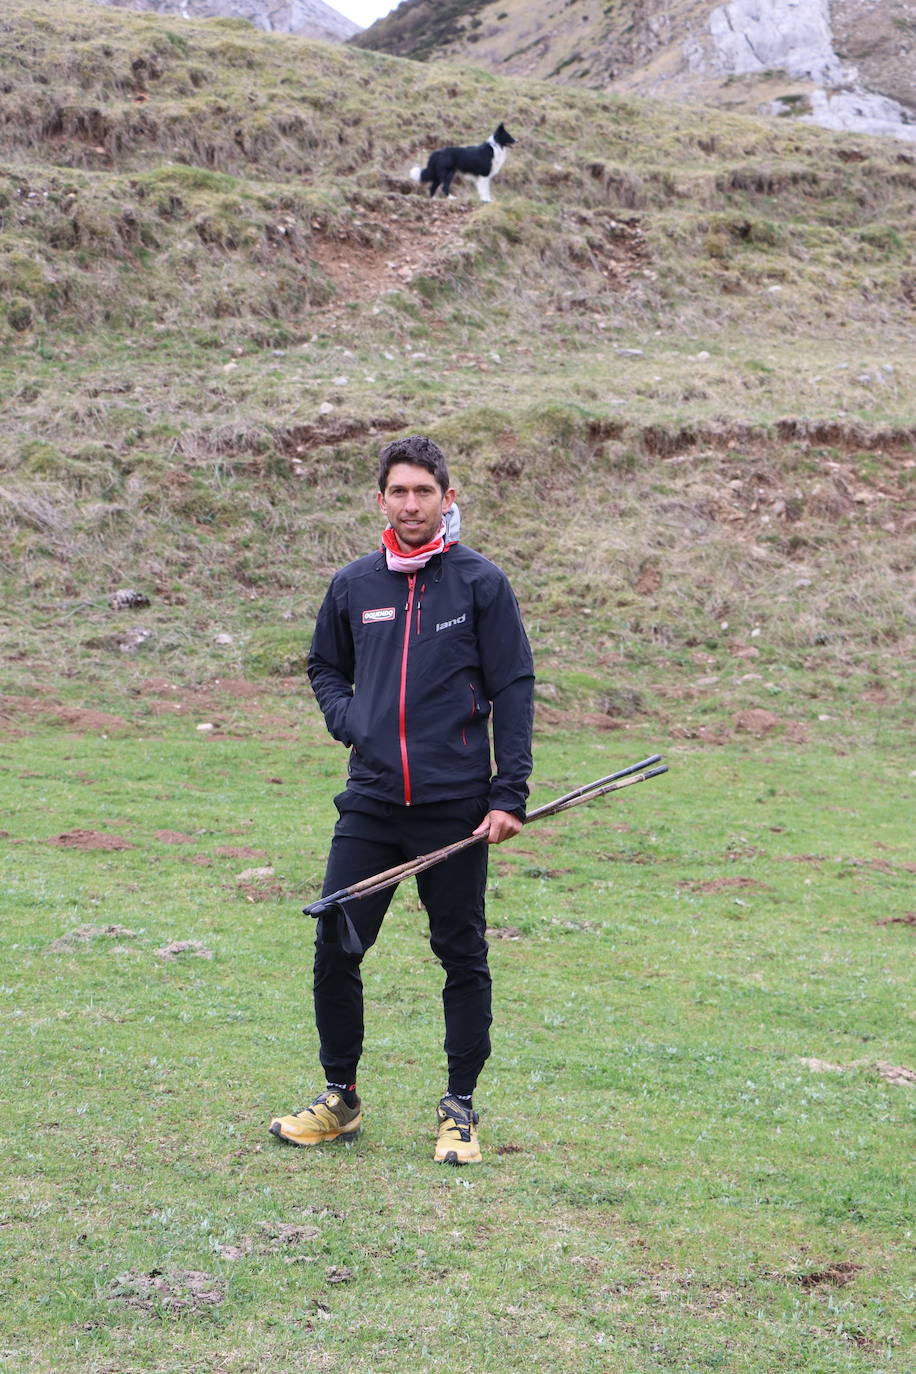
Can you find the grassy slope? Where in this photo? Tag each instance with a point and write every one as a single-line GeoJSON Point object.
{"type": "Point", "coordinates": [700, 329]}
{"type": "Point", "coordinates": [573, 41]}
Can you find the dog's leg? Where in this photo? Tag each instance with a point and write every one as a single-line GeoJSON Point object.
{"type": "Point", "coordinates": [483, 188]}
{"type": "Point", "coordinates": [447, 184]}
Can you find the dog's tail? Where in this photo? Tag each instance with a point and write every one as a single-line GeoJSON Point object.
{"type": "Point", "coordinates": [419, 174]}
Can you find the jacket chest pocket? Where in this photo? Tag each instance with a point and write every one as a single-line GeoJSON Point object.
{"type": "Point", "coordinates": [376, 632]}
{"type": "Point", "coordinates": [447, 646]}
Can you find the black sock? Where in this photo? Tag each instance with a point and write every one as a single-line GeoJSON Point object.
{"type": "Point", "coordinates": [346, 1092]}
{"type": "Point", "coordinates": [466, 1099]}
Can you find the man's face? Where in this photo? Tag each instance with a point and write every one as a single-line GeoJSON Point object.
{"type": "Point", "coordinates": [414, 503]}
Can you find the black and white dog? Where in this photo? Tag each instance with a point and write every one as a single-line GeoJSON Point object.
{"type": "Point", "coordinates": [482, 163]}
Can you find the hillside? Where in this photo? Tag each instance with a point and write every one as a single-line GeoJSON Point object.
{"type": "Point", "coordinates": [842, 64]}
{"type": "Point", "coordinates": [308, 18]}
{"type": "Point", "coordinates": [672, 362]}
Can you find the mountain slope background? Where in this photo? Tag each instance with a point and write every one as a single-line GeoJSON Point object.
{"type": "Point", "coordinates": [672, 363]}
{"type": "Point", "coordinates": [308, 18]}
{"type": "Point", "coordinates": [842, 63]}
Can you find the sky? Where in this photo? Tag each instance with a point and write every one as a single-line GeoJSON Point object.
{"type": "Point", "coordinates": [363, 12]}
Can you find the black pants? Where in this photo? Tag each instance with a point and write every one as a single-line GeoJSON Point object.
{"type": "Point", "coordinates": [371, 836]}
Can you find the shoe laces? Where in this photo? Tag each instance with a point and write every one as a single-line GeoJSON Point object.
{"type": "Point", "coordinates": [318, 1101]}
{"type": "Point", "coordinates": [454, 1116]}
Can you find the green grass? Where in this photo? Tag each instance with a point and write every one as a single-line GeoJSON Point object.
{"type": "Point", "coordinates": [687, 1133]}
{"type": "Point", "coordinates": [672, 366]}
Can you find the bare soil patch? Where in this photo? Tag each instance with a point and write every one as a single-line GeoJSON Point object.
{"type": "Point", "coordinates": [164, 698]}
{"type": "Point", "coordinates": [412, 235]}
{"type": "Point", "coordinates": [756, 721]}
{"type": "Point", "coordinates": [190, 947]}
{"type": "Point", "coordinates": [336, 1273]}
{"type": "Point", "coordinates": [553, 716]}
{"type": "Point", "coordinates": [259, 891]}
{"type": "Point", "coordinates": [174, 1291]}
{"type": "Point", "coordinates": [85, 934]}
{"type": "Point", "coordinates": [383, 251]}
{"type": "Point", "coordinates": [896, 1074]}
{"type": "Point", "coordinates": [77, 718]}
{"type": "Point", "coordinates": [281, 1235]}
{"type": "Point", "coordinates": [718, 884]}
{"type": "Point", "coordinates": [90, 839]}
{"type": "Point", "coordinates": [89, 722]}
{"type": "Point", "coordinates": [838, 1275]}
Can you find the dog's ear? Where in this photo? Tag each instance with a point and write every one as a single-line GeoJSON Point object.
{"type": "Point", "coordinates": [503, 136]}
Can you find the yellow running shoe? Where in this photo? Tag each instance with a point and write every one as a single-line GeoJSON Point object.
{"type": "Point", "coordinates": [457, 1141]}
{"type": "Point", "coordinates": [327, 1118]}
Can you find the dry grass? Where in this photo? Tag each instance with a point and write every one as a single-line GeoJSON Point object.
{"type": "Point", "coordinates": [686, 342]}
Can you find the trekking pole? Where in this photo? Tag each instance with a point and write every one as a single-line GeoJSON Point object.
{"type": "Point", "coordinates": [368, 887]}
{"type": "Point", "coordinates": [595, 789]}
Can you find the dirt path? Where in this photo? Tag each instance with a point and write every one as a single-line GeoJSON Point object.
{"type": "Point", "coordinates": [413, 236]}
{"type": "Point", "coordinates": [380, 252]}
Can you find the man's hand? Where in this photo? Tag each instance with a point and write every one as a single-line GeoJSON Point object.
{"type": "Point", "coordinates": [499, 826]}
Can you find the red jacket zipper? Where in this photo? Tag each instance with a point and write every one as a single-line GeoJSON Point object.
{"type": "Point", "coordinates": [402, 702]}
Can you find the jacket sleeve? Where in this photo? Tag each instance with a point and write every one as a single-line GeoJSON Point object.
{"type": "Point", "coordinates": [331, 662]}
{"type": "Point", "coordinates": [508, 670]}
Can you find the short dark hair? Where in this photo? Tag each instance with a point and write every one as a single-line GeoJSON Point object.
{"type": "Point", "coordinates": [416, 449]}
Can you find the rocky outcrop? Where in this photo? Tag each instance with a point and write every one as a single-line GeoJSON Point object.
{"type": "Point", "coordinates": [307, 18]}
{"type": "Point", "coordinates": [754, 37]}
{"type": "Point", "coordinates": [863, 112]}
{"type": "Point", "coordinates": [846, 64]}
{"type": "Point", "coordinates": [765, 35]}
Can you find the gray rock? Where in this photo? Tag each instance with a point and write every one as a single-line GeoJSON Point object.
{"type": "Point", "coordinates": [862, 112]}
{"type": "Point", "coordinates": [796, 37]}
{"type": "Point", "coordinates": [777, 35]}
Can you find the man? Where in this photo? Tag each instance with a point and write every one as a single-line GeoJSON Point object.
{"type": "Point", "coordinates": [416, 648]}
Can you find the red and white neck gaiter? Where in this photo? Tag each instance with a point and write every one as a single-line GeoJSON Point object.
{"type": "Point", "coordinates": [399, 561]}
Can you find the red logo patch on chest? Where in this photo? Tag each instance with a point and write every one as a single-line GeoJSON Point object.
{"type": "Point", "coordinates": [381, 613]}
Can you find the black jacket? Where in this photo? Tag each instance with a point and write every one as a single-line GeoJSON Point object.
{"type": "Point", "coordinates": [407, 669]}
